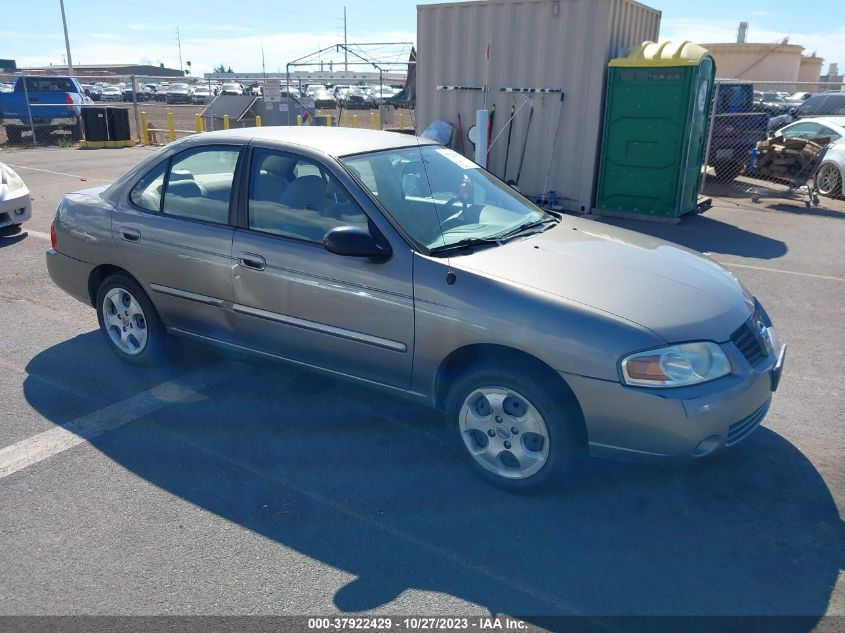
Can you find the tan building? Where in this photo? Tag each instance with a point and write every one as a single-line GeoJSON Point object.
{"type": "Point", "coordinates": [781, 62]}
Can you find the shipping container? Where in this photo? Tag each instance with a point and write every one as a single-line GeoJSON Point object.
{"type": "Point", "coordinates": [557, 45]}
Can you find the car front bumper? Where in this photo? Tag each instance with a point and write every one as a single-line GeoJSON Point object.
{"type": "Point", "coordinates": [680, 424]}
{"type": "Point", "coordinates": [15, 206]}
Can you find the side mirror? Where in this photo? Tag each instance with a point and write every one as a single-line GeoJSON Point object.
{"type": "Point", "coordinates": [353, 241]}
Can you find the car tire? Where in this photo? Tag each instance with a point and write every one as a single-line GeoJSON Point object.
{"type": "Point", "coordinates": [14, 134]}
{"type": "Point", "coordinates": [137, 336]}
{"type": "Point", "coordinates": [728, 170]}
{"type": "Point", "coordinates": [76, 132]}
{"type": "Point", "coordinates": [829, 180]}
{"type": "Point", "coordinates": [484, 407]}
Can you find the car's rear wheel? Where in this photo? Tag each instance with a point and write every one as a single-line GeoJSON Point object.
{"type": "Point", "coordinates": [728, 170]}
{"type": "Point", "coordinates": [515, 435]}
{"type": "Point", "coordinates": [829, 180]}
{"type": "Point", "coordinates": [129, 321]}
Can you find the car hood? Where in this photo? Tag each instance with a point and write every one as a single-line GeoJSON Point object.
{"type": "Point", "coordinates": [675, 292]}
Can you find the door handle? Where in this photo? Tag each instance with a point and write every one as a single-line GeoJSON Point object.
{"type": "Point", "coordinates": [130, 235]}
{"type": "Point", "coordinates": [251, 260]}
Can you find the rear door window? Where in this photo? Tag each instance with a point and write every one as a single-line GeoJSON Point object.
{"type": "Point", "coordinates": [199, 184]}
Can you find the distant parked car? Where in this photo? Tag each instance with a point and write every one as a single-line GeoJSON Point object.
{"type": "Point", "coordinates": [772, 104]}
{"type": "Point", "coordinates": [15, 200]}
{"type": "Point", "coordinates": [201, 94]}
{"type": "Point", "coordinates": [824, 104]}
{"type": "Point", "coordinates": [7, 87]}
{"type": "Point", "coordinates": [831, 173]}
{"type": "Point", "coordinates": [232, 88]}
{"type": "Point", "coordinates": [178, 93]}
{"type": "Point", "coordinates": [111, 93]}
{"type": "Point", "coordinates": [45, 103]}
{"type": "Point", "coordinates": [142, 94]}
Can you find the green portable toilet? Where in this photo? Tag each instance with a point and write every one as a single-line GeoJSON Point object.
{"type": "Point", "coordinates": [655, 131]}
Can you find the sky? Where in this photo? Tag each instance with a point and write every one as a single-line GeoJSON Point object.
{"type": "Point", "coordinates": [214, 32]}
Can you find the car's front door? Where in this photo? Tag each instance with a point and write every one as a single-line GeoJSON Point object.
{"type": "Point", "coordinates": [174, 234]}
{"type": "Point", "coordinates": [295, 299]}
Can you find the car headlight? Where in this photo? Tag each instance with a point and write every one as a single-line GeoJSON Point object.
{"type": "Point", "coordinates": [676, 365]}
{"type": "Point", "coordinates": [11, 179]}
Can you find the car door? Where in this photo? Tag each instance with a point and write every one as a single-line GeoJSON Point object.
{"type": "Point", "coordinates": [173, 232]}
{"type": "Point", "coordinates": [295, 299]}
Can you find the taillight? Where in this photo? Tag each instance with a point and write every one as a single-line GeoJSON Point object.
{"type": "Point", "coordinates": [53, 236]}
{"type": "Point", "coordinates": [69, 99]}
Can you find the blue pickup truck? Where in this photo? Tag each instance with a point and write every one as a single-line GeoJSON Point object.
{"type": "Point", "coordinates": [42, 104]}
{"type": "Point", "coordinates": [736, 130]}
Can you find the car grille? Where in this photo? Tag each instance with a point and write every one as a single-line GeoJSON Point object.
{"type": "Point", "coordinates": [742, 429]}
{"type": "Point", "coordinates": [748, 344]}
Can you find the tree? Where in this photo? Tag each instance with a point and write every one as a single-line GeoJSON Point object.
{"type": "Point", "coordinates": [221, 69]}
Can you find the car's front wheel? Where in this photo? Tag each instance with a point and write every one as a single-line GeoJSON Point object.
{"type": "Point", "coordinates": [829, 180]}
{"type": "Point", "coordinates": [129, 321]}
{"type": "Point", "coordinates": [515, 433]}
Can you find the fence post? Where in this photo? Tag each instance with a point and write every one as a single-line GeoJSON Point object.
{"type": "Point", "coordinates": [713, 108]}
{"type": "Point", "coordinates": [299, 119]}
{"type": "Point", "coordinates": [354, 120]}
{"type": "Point", "coordinates": [401, 120]}
{"type": "Point", "coordinates": [29, 111]}
{"type": "Point", "coordinates": [135, 104]}
{"type": "Point", "coordinates": [171, 126]}
{"type": "Point", "coordinates": [373, 121]}
{"type": "Point", "coordinates": [257, 120]}
{"type": "Point", "coordinates": [225, 121]}
{"type": "Point", "coordinates": [198, 122]}
{"type": "Point", "coordinates": [144, 129]}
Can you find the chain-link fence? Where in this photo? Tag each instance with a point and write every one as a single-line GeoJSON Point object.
{"type": "Point", "coordinates": [117, 110]}
{"type": "Point", "coordinates": [776, 140]}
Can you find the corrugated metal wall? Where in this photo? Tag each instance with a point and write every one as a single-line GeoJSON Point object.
{"type": "Point", "coordinates": [562, 44]}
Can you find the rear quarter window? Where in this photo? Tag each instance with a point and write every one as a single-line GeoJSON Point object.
{"type": "Point", "coordinates": [49, 84]}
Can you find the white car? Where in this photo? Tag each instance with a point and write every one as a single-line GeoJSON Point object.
{"type": "Point", "coordinates": [201, 94]}
{"type": "Point", "coordinates": [111, 93]}
{"type": "Point", "coordinates": [15, 201]}
{"type": "Point", "coordinates": [831, 173]}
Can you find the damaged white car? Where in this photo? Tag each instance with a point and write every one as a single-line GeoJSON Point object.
{"type": "Point", "coordinates": [15, 201]}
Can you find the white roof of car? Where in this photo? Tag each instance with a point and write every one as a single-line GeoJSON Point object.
{"type": "Point", "coordinates": [836, 122]}
{"type": "Point", "coordinates": [333, 141]}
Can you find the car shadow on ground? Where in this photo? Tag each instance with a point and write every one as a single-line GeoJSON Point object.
{"type": "Point", "coordinates": [375, 486]}
{"type": "Point", "coordinates": [708, 235]}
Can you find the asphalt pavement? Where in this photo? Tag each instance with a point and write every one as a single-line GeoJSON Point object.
{"type": "Point", "coordinates": [214, 485]}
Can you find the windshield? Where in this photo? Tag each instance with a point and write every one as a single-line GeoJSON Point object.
{"type": "Point", "coordinates": [440, 198]}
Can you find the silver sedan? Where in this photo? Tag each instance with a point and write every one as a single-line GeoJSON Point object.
{"type": "Point", "coordinates": [397, 263]}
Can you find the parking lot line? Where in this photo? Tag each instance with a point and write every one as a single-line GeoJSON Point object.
{"type": "Point", "coordinates": [57, 173]}
{"type": "Point", "coordinates": [780, 270]}
{"type": "Point", "coordinates": [61, 438]}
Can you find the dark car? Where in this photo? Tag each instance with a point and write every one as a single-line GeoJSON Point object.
{"type": "Point", "coordinates": [178, 93]}
{"type": "Point", "coordinates": [772, 104]}
{"type": "Point", "coordinates": [142, 94]}
{"type": "Point", "coordinates": [825, 104]}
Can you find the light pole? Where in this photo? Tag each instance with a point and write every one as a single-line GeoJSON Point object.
{"type": "Point", "coordinates": [67, 41]}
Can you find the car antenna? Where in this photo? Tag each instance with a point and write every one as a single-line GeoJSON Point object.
{"type": "Point", "coordinates": [450, 275]}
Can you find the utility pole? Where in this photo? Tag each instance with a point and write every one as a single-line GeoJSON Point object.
{"type": "Point", "coordinates": [263, 70]}
{"type": "Point", "coordinates": [345, 49]}
{"type": "Point", "coordinates": [67, 41]}
{"type": "Point", "coordinates": [179, 42]}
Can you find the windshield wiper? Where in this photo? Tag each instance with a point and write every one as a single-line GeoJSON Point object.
{"type": "Point", "coordinates": [525, 228]}
{"type": "Point", "coordinates": [467, 242]}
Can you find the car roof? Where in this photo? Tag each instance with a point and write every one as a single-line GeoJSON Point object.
{"type": "Point", "coordinates": [829, 121]}
{"type": "Point", "coordinates": [333, 141]}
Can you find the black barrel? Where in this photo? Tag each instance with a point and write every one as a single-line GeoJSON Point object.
{"type": "Point", "coordinates": [94, 124]}
{"type": "Point", "coordinates": [118, 123]}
